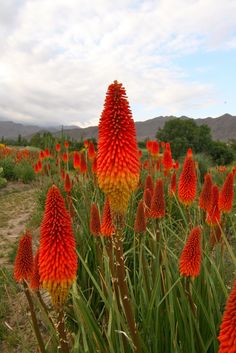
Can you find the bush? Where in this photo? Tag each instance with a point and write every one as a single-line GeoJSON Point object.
{"type": "Point", "coordinates": [3, 181]}
{"type": "Point", "coordinates": [204, 164]}
{"type": "Point", "coordinates": [8, 166]}
{"type": "Point", "coordinates": [221, 153]}
{"type": "Point", "coordinates": [24, 172]}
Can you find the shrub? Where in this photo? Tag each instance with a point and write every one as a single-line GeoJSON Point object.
{"type": "Point", "coordinates": [24, 172]}
{"type": "Point", "coordinates": [3, 181]}
{"type": "Point", "coordinates": [221, 153]}
{"type": "Point", "coordinates": [8, 168]}
{"type": "Point", "coordinates": [204, 163]}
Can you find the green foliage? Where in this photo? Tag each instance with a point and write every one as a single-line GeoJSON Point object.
{"type": "Point", "coordinates": [24, 172]}
{"type": "Point", "coordinates": [184, 134]}
{"type": "Point", "coordinates": [221, 153]}
{"type": "Point", "coordinates": [43, 140]}
{"type": "Point", "coordinates": [3, 181]}
{"type": "Point", "coordinates": [204, 164]}
{"type": "Point", "coordinates": [8, 166]}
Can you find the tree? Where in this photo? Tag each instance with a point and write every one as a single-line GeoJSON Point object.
{"type": "Point", "coordinates": [184, 134]}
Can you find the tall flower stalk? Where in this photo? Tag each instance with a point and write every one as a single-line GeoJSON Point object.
{"type": "Point", "coordinates": [118, 175]}
{"type": "Point", "coordinates": [57, 256]}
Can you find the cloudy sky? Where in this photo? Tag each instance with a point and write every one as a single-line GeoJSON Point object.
{"type": "Point", "coordinates": [174, 57]}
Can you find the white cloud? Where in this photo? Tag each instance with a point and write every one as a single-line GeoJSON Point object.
{"type": "Point", "coordinates": [58, 57]}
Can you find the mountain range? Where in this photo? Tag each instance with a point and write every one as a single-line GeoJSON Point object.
{"type": "Point", "coordinates": [222, 128]}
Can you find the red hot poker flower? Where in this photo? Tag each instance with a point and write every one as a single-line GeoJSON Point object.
{"type": "Point", "coordinates": [117, 161]}
{"type": "Point", "coordinates": [57, 252]}
{"type": "Point", "coordinates": [213, 214]}
{"type": "Point", "coordinates": [206, 193]}
{"type": "Point", "coordinates": [226, 196]}
{"type": "Point", "coordinates": [41, 155]}
{"type": "Point", "coordinates": [66, 144]}
{"type": "Point", "coordinates": [46, 153]}
{"type": "Point", "coordinates": [23, 266]}
{"type": "Point", "coordinates": [91, 151]}
{"type": "Point", "coordinates": [154, 149]}
{"type": "Point", "coordinates": [94, 166]}
{"type": "Point", "coordinates": [83, 164]}
{"type": "Point", "coordinates": [190, 259]}
{"type": "Point", "coordinates": [107, 228]}
{"type": "Point", "coordinates": [140, 222]}
{"type": "Point", "coordinates": [187, 187]}
{"type": "Point", "coordinates": [158, 200]}
{"type": "Point", "coordinates": [76, 160]}
{"type": "Point", "coordinates": [95, 226]}
{"type": "Point", "coordinates": [35, 278]}
{"type": "Point", "coordinates": [149, 184]}
{"type": "Point", "coordinates": [149, 145]}
{"type": "Point", "coordinates": [167, 159]}
{"type": "Point", "coordinates": [227, 335]}
{"type": "Point", "coordinates": [58, 147]}
{"type": "Point", "coordinates": [67, 183]}
{"type": "Point", "coordinates": [65, 157]}
{"type": "Point", "coordinates": [147, 198]}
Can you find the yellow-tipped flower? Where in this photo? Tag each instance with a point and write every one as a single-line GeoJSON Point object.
{"type": "Point", "coordinates": [117, 162]}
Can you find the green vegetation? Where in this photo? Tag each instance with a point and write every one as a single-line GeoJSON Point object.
{"type": "Point", "coordinates": [183, 134]}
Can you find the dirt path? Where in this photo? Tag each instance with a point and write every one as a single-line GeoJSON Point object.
{"type": "Point", "coordinates": [17, 202]}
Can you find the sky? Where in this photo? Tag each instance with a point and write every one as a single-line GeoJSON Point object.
{"type": "Point", "coordinates": [174, 57]}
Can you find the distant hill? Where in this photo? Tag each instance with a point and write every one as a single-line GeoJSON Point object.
{"type": "Point", "coordinates": [223, 128]}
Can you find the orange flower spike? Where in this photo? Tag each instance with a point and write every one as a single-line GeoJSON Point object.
{"type": "Point", "coordinates": [117, 161]}
{"type": "Point", "coordinates": [140, 222]}
{"type": "Point", "coordinates": [35, 278]}
{"type": "Point", "coordinates": [24, 261]}
{"type": "Point", "coordinates": [41, 155]}
{"type": "Point", "coordinates": [83, 164]}
{"type": "Point", "coordinates": [65, 157]}
{"type": "Point", "coordinates": [76, 160]}
{"type": "Point", "coordinates": [226, 196]}
{"type": "Point", "coordinates": [149, 146]}
{"type": "Point", "coordinates": [95, 226]}
{"type": "Point", "coordinates": [190, 259]}
{"type": "Point", "coordinates": [154, 149]}
{"type": "Point", "coordinates": [187, 187]}
{"type": "Point", "coordinates": [227, 335]}
{"type": "Point", "coordinates": [107, 228]}
{"type": "Point", "coordinates": [58, 147]}
{"type": "Point", "coordinates": [147, 198]}
{"type": "Point", "coordinates": [57, 251]}
{"type": "Point", "coordinates": [63, 174]}
{"type": "Point", "coordinates": [40, 166]}
{"type": "Point", "coordinates": [158, 200]}
{"type": "Point", "coordinates": [213, 214]}
{"type": "Point", "coordinates": [66, 144]}
{"type": "Point", "coordinates": [94, 166]}
{"type": "Point", "coordinates": [91, 151]}
{"type": "Point", "coordinates": [172, 187]}
{"type": "Point", "coordinates": [167, 159]}
{"type": "Point", "coordinates": [140, 153]}
{"type": "Point", "coordinates": [206, 193]}
{"type": "Point", "coordinates": [67, 183]}
{"type": "Point", "coordinates": [46, 153]}
{"type": "Point", "coordinates": [149, 184]}
{"type": "Point", "coordinates": [86, 143]}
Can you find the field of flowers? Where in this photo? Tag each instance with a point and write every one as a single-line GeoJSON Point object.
{"type": "Point", "coordinates": [134, 254]}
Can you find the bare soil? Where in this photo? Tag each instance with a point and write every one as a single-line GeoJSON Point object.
{"type": "Point", "coordinates": [17, 204]}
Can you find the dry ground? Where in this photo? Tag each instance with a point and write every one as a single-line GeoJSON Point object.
{"type": "Point", "coordinates": [17, 204]}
